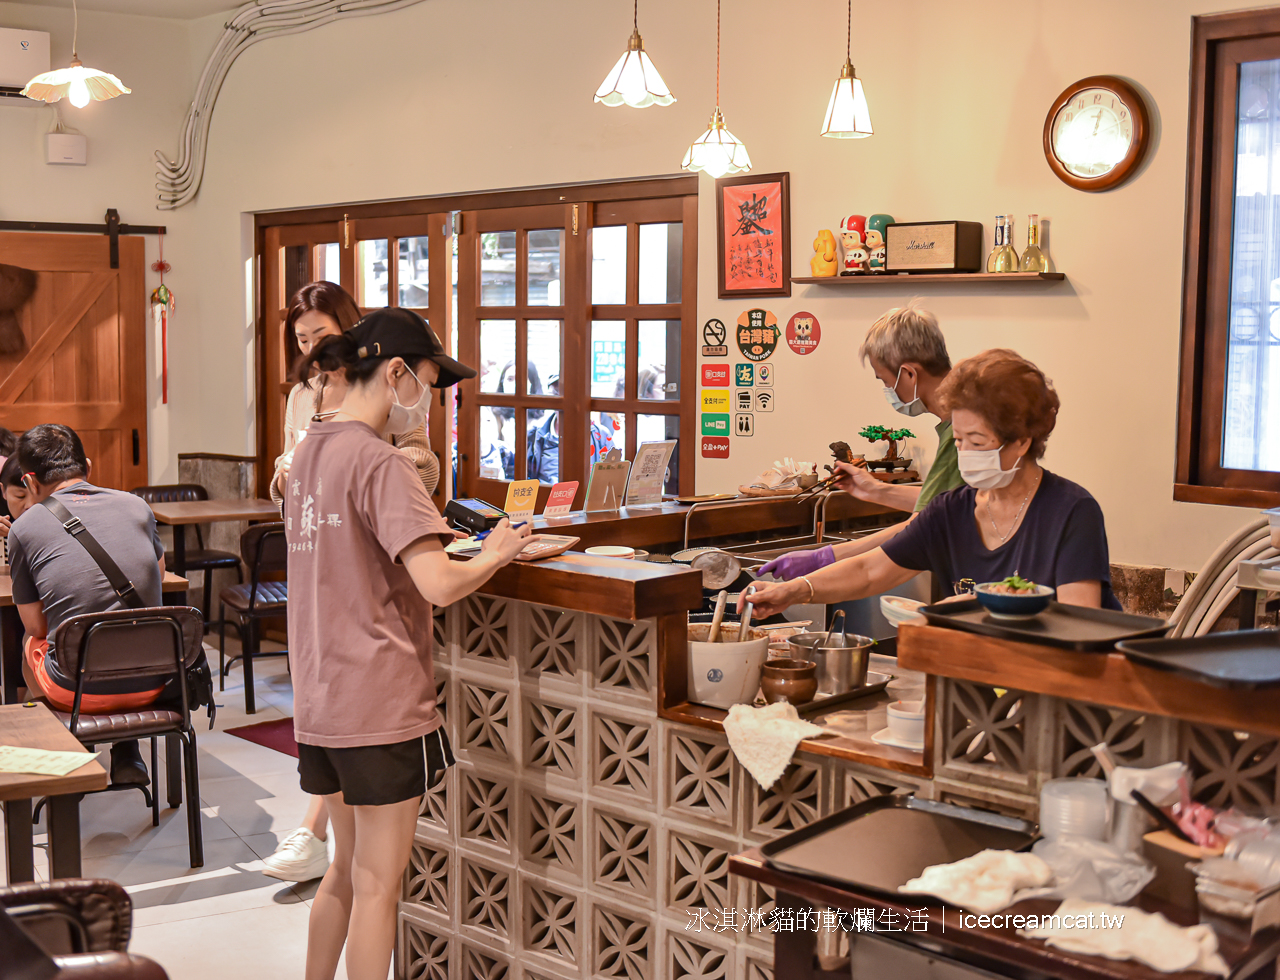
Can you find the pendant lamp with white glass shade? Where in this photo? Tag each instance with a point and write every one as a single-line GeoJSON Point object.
{"type": "Point", "coordinates": [79, 84]}
{"type": "Point", "coordinates": [634, 81]}
{"type": "Point", "coordinates": [848, 117]}
{"type": "Point", "coordinates": [717, 151]}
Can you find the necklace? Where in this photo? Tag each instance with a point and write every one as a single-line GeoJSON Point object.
{"type": "Point", "coordinates": [1005, 537]}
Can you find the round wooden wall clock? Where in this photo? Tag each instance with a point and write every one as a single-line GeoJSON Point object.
{"type": "Point", "coordinates": [1097, 133]}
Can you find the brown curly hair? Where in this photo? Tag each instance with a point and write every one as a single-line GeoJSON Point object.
{"type": "Point", "coordinates": [1011, 394]}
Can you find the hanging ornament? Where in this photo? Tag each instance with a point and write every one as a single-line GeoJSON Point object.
{"type": "Point", "coordinates": [161, 306]}
{"type": "Point", "coordinates": [717, 151]}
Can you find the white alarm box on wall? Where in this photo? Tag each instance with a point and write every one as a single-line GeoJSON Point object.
{"type": "Point", "coordinates": [23, 56]}
{"type": "Point", "coordinates": [69, 148]}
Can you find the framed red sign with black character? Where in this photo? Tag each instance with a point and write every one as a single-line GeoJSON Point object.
{"type": "Point", "coordinates": [753, 231]}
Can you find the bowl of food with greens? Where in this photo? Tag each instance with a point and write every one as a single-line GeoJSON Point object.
{"type": "Point", "coordinates": [1014, 597]}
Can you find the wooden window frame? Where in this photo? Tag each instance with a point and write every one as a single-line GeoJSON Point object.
{"type": "Point", "coordinates": [350, 223]}
{"type": "Point", "coordinates": [1219, 42]}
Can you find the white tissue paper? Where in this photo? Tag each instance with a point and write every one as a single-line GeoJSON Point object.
{"type": "Point", "coordinates": [1121, 932]}
{"type": "Point", "coordinates": [765, 739]}
{"type": "Point", "coordinates": [1159, 785]}
{"type": "Point", "coordinates": [983, 883]}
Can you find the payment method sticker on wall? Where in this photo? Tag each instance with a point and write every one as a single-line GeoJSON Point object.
{"type": "Point", "coordinates": [757, 334]}
{"type": "Point", "coordinates": [803, 333]}
{"type": "Point", "coordinates": [742, 400]}
{"type": "Point", "coordinates": [715, 423]}
{"type": "Point", "coordinates": [744, 375]}
{"type": "Point", "coordinates": [714, 448]}
{"type": "Point", "coordinates": [715, 375]}
{"type": "Point", "coordinates": [715, 401]}
{"type": "Point", "coordinates": [764, 375]}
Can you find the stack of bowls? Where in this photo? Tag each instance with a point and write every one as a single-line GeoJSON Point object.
{"type": "Point", "coordinates": [1074, 808]}
{"type": "Point", "coordinates": [1259, 856]}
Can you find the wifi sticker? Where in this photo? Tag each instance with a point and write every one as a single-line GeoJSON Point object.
{"type": "Point", "coordinates": [764, 400]}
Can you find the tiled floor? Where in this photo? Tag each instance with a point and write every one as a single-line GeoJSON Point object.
{"type": "Point", "coordinates": [226, 919]}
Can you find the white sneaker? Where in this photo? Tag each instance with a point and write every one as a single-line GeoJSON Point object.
{"type": "Point", "coordinates": [301, 856]}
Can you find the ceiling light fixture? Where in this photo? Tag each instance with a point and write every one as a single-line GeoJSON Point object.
{"type": "Point", "coordinates": [634, 81]}
{"type": "Point", "coordinates": [848, 117]}
{"type": "Point", "coordinates": [717, 151]}
{"type": "Point", "coordinates": [79, 84]}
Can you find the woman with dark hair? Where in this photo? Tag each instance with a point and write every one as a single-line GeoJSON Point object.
{"type": "Point", "coordinates": [319, 310]}
{"type": "Point", "coordinates": [13, 497]}
{"type": "Point", "coordinates": [366, 564]}
{"type": "Point", "coordinates": [1012, 517]}
{"type": "Point", "coordinates": [503, 414]}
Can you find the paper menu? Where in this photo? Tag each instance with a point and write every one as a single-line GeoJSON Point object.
{"type": "Point", "coordinates": [42, 762]}
{"type": "Point", "coordinates": [561, 500]}
{"type": "Point", "coordinates": [522, 498]}
{"type": "Point", "coordinates": [649, 473]}
{"type": "Point", "coordinates": [608, 480]}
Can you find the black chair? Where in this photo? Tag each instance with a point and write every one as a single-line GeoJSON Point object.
{"type": "Point", "coordinates": [200, 558]}
{"type": "Point", "coordinates": [160, 642]}
{"type": "Point", "coordinates": [265, 552]}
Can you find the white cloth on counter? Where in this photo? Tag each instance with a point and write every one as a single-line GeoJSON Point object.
{"type": "Point", "coordinates": [765, 739]}
{"type": "Point", "coordinates": [983, 883]}
{"type": "Point", "coordinates": [1147, 937]}
{"type": "Point", "coordinates": [1159, 785]}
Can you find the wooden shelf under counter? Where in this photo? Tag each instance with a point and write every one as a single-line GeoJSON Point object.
{"type": "Point", "coordinates": [1107, 679]}
{"type": "Point", "coordinates": [881, 278]}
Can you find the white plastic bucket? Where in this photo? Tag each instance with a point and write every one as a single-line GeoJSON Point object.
{"type": "Point", "coordinates": [724, 674]}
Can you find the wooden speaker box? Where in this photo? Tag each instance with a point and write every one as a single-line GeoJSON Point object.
{"type": "Point", "coordinates": [933, 246]}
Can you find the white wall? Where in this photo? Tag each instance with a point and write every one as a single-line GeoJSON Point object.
{"type": "Point", "coordinates": [455, 96]}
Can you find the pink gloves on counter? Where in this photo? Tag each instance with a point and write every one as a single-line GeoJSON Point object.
{"type": "Point", "coordinates": [797, 563]}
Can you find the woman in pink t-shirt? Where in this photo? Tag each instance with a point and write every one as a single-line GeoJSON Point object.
{"type": "Point", "coordinates": [366, 564]}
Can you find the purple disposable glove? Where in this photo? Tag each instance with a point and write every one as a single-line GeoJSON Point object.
{"type": "Point", "coordinates": [796, 563]}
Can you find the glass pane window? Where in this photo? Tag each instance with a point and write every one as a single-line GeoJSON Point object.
{"type": "Point", "coordinates": [498, 268]}
{"type": "Point", "coordinates": [659, 350]}
{"type": "Point", "coordinates": [411, 274]}
{"type": "Point", "coordinates": [497, 443]}
{"type": "Point", "coordinates": [293, 263]}
{"type": "Point", "coordinates": [497, 356]}
{"type": "Point", "coordinates": [606, 430]}
{"type": "Point", "coordinates": [660, 262]}
{"type": "Point", "coordinates": [546, 254]}
{"type": "Point", "coordinates": [543, 440]}
{"type": "Point", "coordinates": [609, 265]}
{"type": "Point", "coordinates": [373, 274]}
{"type": "Point", "coordinates": [608, 358]}
{"type": "Point", "coordinates": [662, 428]}
{"type": "Point", "coordinates": [326, 259]}
{"type": "Point", "coordinates": [1251, 413]}
{"type": "Point", "coordinates": [544, 356]}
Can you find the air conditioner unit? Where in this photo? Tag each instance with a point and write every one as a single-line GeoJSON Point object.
{"type": "Point", "coordinates": [23, 56]}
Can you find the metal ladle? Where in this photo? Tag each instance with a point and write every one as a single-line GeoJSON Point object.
{"type": "Point", "coordinates": [826, 643]}
{"type": "Point", "coordinates": [719, 569]}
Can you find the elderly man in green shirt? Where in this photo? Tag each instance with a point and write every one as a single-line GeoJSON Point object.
{"type": "Point", "coordinates": [908, 355]}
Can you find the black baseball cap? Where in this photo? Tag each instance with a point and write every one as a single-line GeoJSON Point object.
{"type": "Point", "coordinates": [396, 332]}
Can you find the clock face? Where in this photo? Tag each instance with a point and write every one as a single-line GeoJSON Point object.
{"type": "Point", "coordinates": [1092, 133]}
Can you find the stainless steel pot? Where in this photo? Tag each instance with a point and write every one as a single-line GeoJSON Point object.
{"type": "Point", "coordinates": [842, 663]}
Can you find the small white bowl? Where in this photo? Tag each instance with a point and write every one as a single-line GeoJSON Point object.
{"type": "Point", "coordinates": [906, 721]}
{"type": "Point", "coordinates": [612, 551]}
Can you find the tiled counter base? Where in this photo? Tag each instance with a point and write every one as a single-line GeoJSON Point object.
{"type": "Point", "coordinates": [579, 835]}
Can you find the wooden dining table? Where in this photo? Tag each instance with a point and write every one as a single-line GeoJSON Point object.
{"type": "Point", "coordinates": [173, 587]}
{"type": "Point", "coordinates": [179, 513]}
{"type": "Point", "coordinates": [34, 726]}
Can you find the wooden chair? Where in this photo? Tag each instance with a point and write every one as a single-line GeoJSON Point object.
{"type": "Point", "coordinates": [265, 552]}
{"type": "Point", "coordinates": [200, 558]}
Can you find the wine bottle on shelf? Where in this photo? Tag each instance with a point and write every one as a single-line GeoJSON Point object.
{"type": "Point", "coordinates": [1006, 260]}
{"type": "Point", "coordinates": [997, 245]}
{"type": "Point", "coordinates": [1034, 260]}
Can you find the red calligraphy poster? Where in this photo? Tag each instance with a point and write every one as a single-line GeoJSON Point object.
{"type": "Point", "coordinates": [754, 236]}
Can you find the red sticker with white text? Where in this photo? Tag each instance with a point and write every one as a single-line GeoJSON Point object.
{"type": "Point", "coordinates": [715, 375]}
{"type": "Point", "coordinates": [715, 448]}
{"type": "Point", "coordinates": [803, 333]}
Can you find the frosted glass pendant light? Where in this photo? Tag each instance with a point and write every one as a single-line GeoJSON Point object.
{"type": "Point", "coordinates": [848, 117]}
{"type": "Point", "coordinates": [634, 81]}
{"type": "Point", "coordinates": [79, 84]}
{"type": "Point", "coordinates": [717, 151]}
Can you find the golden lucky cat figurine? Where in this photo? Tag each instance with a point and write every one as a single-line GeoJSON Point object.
{"type": "Point", "coordinates": [826, 261]}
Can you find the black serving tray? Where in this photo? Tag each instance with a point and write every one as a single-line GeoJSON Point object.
{"type": "Point", "coordinates": [882, 843]}
{"type": "Point", "coordinates": [1060, 625]}
{"type": "Point", "coordinates": [1246, 660]}
{"type": "Point", "coordinates": [876, 683]}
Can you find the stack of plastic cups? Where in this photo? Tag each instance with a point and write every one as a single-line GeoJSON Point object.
{"type": "Point", "coordinates": [1259, 856]}
{"type": "Point", "coordinates": [1074, 808]}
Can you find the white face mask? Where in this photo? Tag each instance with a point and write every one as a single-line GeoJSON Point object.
{"type": "Point", "coordinates": [913, 408]}
{"type": "Point", "coordinates": [980, 468]}
{"type": "Point", "coordinates": [405, 419]}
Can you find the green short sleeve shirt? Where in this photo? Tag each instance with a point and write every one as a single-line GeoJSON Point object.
{"type": "Point", "coordinates": [944, 475]}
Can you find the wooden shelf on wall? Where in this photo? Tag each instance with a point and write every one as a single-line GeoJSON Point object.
{"type": "Point", "coordinates": [906, 277]}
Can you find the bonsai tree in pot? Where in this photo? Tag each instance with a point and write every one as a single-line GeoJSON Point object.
{"type": "Point", "coordinates": [879, 433]}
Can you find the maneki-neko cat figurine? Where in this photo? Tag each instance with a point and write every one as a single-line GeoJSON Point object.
{"type": "Point", "coordinates": [852, 230]}
{"type": "Point", "coordinates": [824, 263]}
{"type": "Point", "coordinates": [876, 225]}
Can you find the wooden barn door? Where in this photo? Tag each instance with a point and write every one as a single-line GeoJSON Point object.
{"type": "Point", "coordinates": [83, 356]}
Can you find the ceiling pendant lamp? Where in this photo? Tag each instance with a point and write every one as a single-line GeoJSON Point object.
{"type": "Point", "coordinates": [79, 84]}
{"type": "Point", "coordinates": [848, 117]}
{"type": "Point", "coordinates": [717, 151]}
{"type": "Point", "coordinates": [634, 81]}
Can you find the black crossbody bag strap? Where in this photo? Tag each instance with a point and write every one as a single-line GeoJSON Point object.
{"type": "Point", "coordinates": [119, 581]}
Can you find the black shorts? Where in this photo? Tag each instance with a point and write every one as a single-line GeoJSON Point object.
{"type": "Point", "coordinates": [375, 775]}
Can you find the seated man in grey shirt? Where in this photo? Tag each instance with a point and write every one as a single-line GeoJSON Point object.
{"type": "Point", "coordinates": [55, 578]}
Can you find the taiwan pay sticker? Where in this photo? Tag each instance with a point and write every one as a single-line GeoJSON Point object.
{"type": "Point", "coordinates": [743, 399]}
{"type": "Point", "coordinates": [744, 425]}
